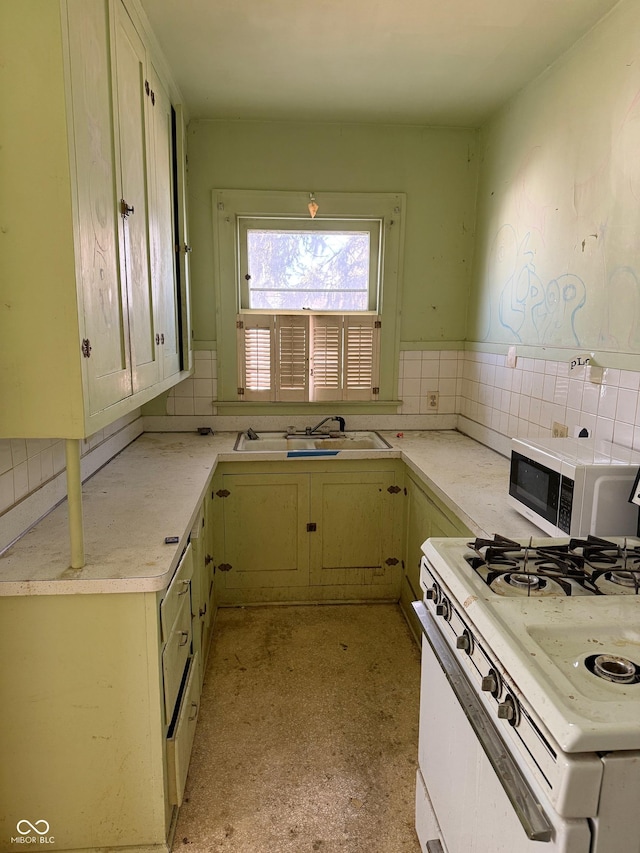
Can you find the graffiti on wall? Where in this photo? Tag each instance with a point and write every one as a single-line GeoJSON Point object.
{"type": "Point", "coordinates": [530, 309]}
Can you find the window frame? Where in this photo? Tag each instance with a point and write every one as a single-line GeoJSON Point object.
{"type": "Point", "coordinates": [230, 205]}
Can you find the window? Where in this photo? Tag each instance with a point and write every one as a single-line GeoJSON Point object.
{"type": "Point", "coordinates": [316, 265]}
{"type": "Point", "coordinates": [313, 300]}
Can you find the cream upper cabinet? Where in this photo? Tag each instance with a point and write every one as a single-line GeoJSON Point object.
{"type": "Point", "coordinates": [89, 310]}
{"type": "Point", "coordinates": [163, 238]}
{"type": "Point", "coordinates": [134, 155]}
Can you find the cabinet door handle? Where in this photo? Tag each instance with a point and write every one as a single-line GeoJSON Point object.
{"type": "Point", "coordinates": [186, 587]}
{"type": "Point", "coordinates": [185, 638]}
{"type": "Point", "coordinates": [194, 706]}
{"type": "Point", "coordinates": [125, 209]}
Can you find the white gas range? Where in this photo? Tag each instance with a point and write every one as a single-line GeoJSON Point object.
{"type": "Point", "coordinates": [530, 696]}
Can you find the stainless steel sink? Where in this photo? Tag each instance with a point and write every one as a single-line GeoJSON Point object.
{"type": "Point", "coordinates": [325, 444]}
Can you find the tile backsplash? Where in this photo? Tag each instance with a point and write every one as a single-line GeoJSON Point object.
{"type": "Point", "coordinates": [520, 401]}
{"type": "Point", "coordinates": [196, 395]}
{"type": "Point", "coordinates": [28, 464]}
{"type": "Point", "coordinates": [526, 400]}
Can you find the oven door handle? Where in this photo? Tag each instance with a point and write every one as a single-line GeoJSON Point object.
{"type": "Point", "coordinates": [529, 811]}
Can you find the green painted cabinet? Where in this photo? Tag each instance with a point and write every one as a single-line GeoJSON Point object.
{"type": "Point", "coordinates": [425, 516]}
{"type": "Point", "coordinates": [294, 533]}
{"type": "Point", "coordinates": [358, 516]}
{"type": "Point", "coordinates": [202, 588]}
{"type": "Point", "coordinates": [99, 700]}
{"type": "Point", "coordinates": [89, 314]}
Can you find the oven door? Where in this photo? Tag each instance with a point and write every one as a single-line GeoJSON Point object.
{"type": "Point", "coordinates": [483, 801]}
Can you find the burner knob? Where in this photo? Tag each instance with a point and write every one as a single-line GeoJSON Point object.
{"type": "Point", "coordinates": [443, 609]}
{"type": "Point", "coordinates": [432, 593]}
{"type": "Point", "coordinates": [465, 642]}
{"type": "Point", "coordinates": [508, 710]}
{"type": "Point", "coordinates": [490, 683]}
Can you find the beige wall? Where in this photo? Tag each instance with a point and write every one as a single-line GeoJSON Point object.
{"type": "Point", "coordinates": [436, 168]}
{"type": "Point", "coordinates": [557, 259]}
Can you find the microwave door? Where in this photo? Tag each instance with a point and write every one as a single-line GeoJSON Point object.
{"type": "Point", "coordinates": [535, 486]}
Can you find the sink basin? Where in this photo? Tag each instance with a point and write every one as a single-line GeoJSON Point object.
{"type": "Point", "coordinates": [311, 445]}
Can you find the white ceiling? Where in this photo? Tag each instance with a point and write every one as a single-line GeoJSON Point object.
{"type": "Point", "coordinates": [435, 62]}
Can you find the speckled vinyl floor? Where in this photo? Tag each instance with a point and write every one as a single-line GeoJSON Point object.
{"type": "Point", "coordinates": [307, 737]}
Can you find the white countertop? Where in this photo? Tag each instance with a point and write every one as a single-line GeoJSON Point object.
{"type": "Point", "coordinates": [153, 489]}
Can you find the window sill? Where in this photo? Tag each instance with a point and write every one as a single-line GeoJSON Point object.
{"type": "Point", "coordinates": [355, 407]}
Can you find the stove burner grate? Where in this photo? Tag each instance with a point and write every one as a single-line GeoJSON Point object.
{"type": "Point", "coordinates": [590, 566]}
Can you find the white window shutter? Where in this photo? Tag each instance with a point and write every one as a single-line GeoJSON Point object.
{"type": "Point", "coordinates": [326, 357]}
{"type": "Point", "coordinates": [256, 357]}
{"type": "Point", "coordinates": [292, 357]}
{"type": "Point", "coordinates": [322, 357]}
{"type": "Point", "coordinates": [361, 357]}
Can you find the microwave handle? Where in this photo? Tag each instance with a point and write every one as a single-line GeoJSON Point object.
{"type": "Point", "coordinates": [526, 806]}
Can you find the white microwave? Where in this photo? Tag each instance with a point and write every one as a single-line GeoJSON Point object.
{"type": "Point", "coordinates": [575, 486]}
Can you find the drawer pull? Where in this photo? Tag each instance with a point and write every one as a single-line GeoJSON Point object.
{"type": "Point", "coordinates": [185, 638]}
{"type": "Point", "coordinates": [194, 705]}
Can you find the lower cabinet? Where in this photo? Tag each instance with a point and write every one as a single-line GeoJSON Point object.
{"type": "Point", "coordinates": [99, 701]}
{"type": "Point", "coordinates": [307, 534]}
{"type": "Point", "coordinates": [426, 516]}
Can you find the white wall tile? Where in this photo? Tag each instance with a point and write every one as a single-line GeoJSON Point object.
{"type": "Point", "coordinates": [608, 401]}
{"type": "Point", "coordinates": [18, 450]}
{"type": "Point", "coordinates": [20, 480]}
{"type": "Point", "coordinates": [627, 405]}
{"type": "Point", "coordinates": [7, 497]}
{"type": "Point", "coordinates": [630, 379]}
{"type": "Point", "coordinates": [6, 458]}
{"type": "Point", "coordinates": [412, 369]}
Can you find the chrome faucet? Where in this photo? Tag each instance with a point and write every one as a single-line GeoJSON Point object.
{"type": "Point", "coordinates": [312, 430]}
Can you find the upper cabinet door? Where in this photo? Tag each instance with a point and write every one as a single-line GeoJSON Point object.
{"type": "Point", "coordinates": [183, 254]}
{"type": "Point", "coordinates": [133, 100]}
{"type": "Point", "coordinates": [162, 223]}
{"type": "Point", "coordinates": [101, 297]}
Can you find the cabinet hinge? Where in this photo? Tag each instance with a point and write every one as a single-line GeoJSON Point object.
{"type": "Point", "coordinates": [375, 390]}
{"type": "Point", "coordinates": [208, 559]}
{"type": "Point", "coordinates": [240, 392]}
{"type": "Point", "coordinates": [239, 324]}
{"type": "Point", "coordinates": [86, 347]}
{"type": "Point", "coordinates": [392, 561]}
{"type": "Point", "coordinates": [223, 493]}
{"type": "Point", "coordinates": [377, 324]}
{"type": "Point", "coordinates": [393, 490]}
{"type": "Point", "coordinates": [225, 567]}
{"type": "Point", "coordinates": [312, 527]}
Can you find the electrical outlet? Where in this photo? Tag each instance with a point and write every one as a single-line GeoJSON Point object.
{"type": "Point", "coordinates": [559, 430]}
{"type": "Point", "coordinates": [432, 401]}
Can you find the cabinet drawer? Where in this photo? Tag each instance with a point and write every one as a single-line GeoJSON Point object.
{"type": "Point", "coordinates": [175, 655]}
{"type": "Point", "coordinates": [180, 739]}
{"type": "Point", "coordinates": [177, 590]}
